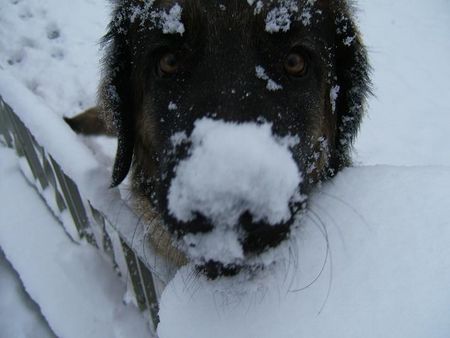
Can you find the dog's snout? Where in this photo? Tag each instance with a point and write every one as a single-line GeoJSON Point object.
{"type": "Point", "coordinates": [256, 235]}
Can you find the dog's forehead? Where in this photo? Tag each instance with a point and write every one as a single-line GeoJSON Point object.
{"type": "Point", "coordinates": [240, 4]}
{"type": "Point", "coordinates": [272, 16]}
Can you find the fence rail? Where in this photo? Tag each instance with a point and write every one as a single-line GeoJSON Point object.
{"type": "Point", "coordinates": [89, 224]}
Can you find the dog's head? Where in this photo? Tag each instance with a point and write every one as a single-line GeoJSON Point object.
{"type": "Point", "coordinates": [298, 65]}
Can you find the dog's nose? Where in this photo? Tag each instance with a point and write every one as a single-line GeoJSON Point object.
{"type": "Point", "coordinates": [256, 235]}
{"type": "Point", "coordinates": [260, 235]}
{"type": "Point", "coordinates": [247, 223]}
{"type": "Point", "coordinates": [199, 224]}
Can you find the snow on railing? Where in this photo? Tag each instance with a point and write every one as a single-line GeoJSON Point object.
{"type": "Point", "coordinates": [85, 222]}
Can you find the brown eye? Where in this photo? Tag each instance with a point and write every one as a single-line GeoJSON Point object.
{"type": "Point", "coordinates": [168, 64]}
{"type": "Point", "coordinates": [295, 64]}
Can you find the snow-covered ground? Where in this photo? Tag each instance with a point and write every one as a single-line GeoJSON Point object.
{"type": "Point", "coordinates": [370, 260]}
{"type": "Point", "coordinates": [386, 265]}
{"type": "Point", "coordinates": [409, 117]}
{"type": "Point", "coordinates": [19, 315]}
{"type": "Point", "coordinates": [77, 290]}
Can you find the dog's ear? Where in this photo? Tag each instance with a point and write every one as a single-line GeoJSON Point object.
{"type": "Point", "coordinates": [352, 77]}
{"type": "Point", "coordinates": [117, 94]}
{"type": "Point", "coordinates": [90, 122]}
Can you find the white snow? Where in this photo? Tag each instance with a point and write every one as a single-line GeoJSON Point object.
{"type": "Point", "coordinates": [371, 259]}
{"type": "Point", "coordinates": [258, 5]}
{"type": "Point", "coordinates": [334, 92]}
{"type": "Point", "coordinates": [232, 168]}
{"type": "Point", "coordinates": [15, 303]}
{"type": "Point", "coordinates": [409, 120]}
{"type": "Point", "coordinates": [172, 106]}
{"type": "Point", "coordinates": [150, 18]}
{"type": "Point", "coordinates": [171, 22]}
{"type": "Point", "coordinates": [219, 245]}
{"type": "Point", "coordinates": [271, 84]}
{"type": "Point", "coordinates": [52, 51]}
{"type": "Point", "coordinates": [279, 18]}
{"type": "Point", "coordinates": [178, 138]}
{"type": "Point", "coordinates": [77, 290]}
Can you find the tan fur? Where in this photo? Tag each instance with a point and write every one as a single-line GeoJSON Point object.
{"type": "Point", "coordinates": [160, 239]}
{"type": "Point", "coordinates": [91, 122]}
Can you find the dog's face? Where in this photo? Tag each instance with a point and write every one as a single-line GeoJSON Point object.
{"type": "Point", "coordinates": [297, 64]}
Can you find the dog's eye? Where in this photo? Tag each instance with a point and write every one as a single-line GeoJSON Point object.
{"type": "Point", "coordinates": [296, 64]}
{"type": "Point", "coordinates": [168, 64]}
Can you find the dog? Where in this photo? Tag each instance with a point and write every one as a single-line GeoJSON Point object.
{"type": "Point", "coordinates": [300, 65]}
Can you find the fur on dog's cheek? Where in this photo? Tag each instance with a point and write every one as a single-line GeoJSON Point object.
{"type": "Point", "coordinates": [233, 169]}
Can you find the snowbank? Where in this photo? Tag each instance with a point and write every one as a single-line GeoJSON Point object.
{"type": "Point", "coordinates": [28, 321]}
{"type": "Point", "coordinates": [371, 260]}
{"type": "Point", "coordinates": [409, 120]}
{"type": "Point", "coordinates": [77, 290]}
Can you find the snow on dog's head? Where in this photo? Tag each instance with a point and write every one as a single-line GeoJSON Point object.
{"type": "Point", "coordinates": [237, 178]}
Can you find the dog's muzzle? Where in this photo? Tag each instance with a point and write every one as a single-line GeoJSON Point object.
{"type": "Point", "coordinates": [234, 195]}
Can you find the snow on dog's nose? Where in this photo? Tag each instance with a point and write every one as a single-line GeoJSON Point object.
{"type": "Point", "coordinates": [235, 174]}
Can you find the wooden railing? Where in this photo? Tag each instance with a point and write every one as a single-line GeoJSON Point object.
{"type": "Point", "coordinates": [89, 223]}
